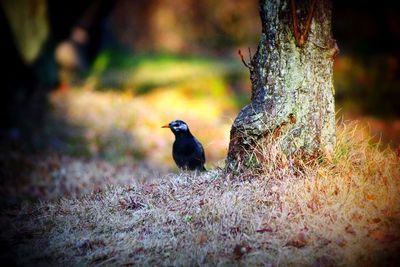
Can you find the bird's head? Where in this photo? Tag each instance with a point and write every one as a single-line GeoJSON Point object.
{"type": "Point", "coordinates": [177, 127]}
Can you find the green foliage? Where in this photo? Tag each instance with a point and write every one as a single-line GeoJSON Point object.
{"type": "Point", "coordinates": [142, 72]}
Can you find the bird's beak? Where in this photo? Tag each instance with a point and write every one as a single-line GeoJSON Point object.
{"type": "Point", "coordinates": [165, 126]}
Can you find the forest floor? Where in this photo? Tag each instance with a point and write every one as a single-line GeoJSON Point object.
{"type": "Point", "coordinates": [344, 211]}
{"type": "Point", "coordinates": [107, 191]}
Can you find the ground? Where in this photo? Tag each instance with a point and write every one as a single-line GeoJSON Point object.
{"type": "Point", "coordinates": [105, 190]}
{"type": "Point", "coordinates": [344, 211]}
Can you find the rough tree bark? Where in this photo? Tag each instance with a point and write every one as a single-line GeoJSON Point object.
{"type": "Point", "coordinates": [291, 75]}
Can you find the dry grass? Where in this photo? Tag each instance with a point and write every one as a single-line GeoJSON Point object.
{"type": "Point", "coordinates": [340, 213]}
{"type": "Point", "coordinates": [49, 176]}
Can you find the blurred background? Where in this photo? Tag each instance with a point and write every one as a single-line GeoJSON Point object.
{"type": "Point", "coordinates": [87, 84]}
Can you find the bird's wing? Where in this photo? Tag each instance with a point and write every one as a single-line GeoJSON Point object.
{"type": "Point", "coordinates": [203, 157]}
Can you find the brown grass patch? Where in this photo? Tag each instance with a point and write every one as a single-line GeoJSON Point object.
{"type": "Point", "coordinates": [340, 213]}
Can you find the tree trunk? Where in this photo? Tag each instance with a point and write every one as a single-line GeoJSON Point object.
{"type": "Point", "coordinates": [292, 89]}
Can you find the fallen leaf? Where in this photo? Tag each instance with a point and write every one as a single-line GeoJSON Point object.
{"type": "Point", "coordinates": [336, 192]}
{"type": "Point", "coordinates": [385, 180]}
{"type": "Point", "coordinates": [314, 203]}
{"type": "Point", "coordinates": [341, 242]}
{"type": "Point", "coordinates": [382, 236]}
{"type": "Point", "coordinates": [324, 241]}
{"type": "Point", "coordinates": [234, 230]}
{"type": "Point", "coordinates": [376, 220]}
{"type": "Point", "coordinates": [299, 241]}
{"type": "Point", "coordinates": [149, 188]}
{"type": "Point", "coordinates": [201, 239]}
{"type": "Point", "coordinates": [241, 250]}
{"type": "Point", "coordinates": [349, 229]}
{"type": "Point", "coordinates": [356, 217]}
{"type": "Point", "coordinates": [370, 196]}
{"type": "Point", "coordinates": [130, 203]}
{"type": "Point", "coordinates": [202, 202]}
{"type": "Point", "coordinates": [264, 230]}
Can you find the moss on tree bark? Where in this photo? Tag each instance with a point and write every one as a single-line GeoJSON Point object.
{"type": "Point", "coordinates": [292, 88]}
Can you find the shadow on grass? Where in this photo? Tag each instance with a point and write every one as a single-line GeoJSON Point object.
{"type": "Point", "coordinates": [114, 145]}
{"type": "Point", "coordinates": [66, 160]}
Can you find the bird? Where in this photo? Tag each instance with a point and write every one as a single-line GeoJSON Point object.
{"type": "Point", "coordinates": [187, 151]}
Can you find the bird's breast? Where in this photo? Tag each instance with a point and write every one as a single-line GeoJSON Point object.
{"type": "Point", "coordinates": [184, 146]}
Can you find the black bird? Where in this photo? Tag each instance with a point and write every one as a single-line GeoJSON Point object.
{"type": "Point", "coordinates": [187, 151]}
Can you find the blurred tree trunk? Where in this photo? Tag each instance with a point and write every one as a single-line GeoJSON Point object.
{"type": "Point", "coordinates": [30, 31]}
{"type": "Point", "coordinates": [292, 89]}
